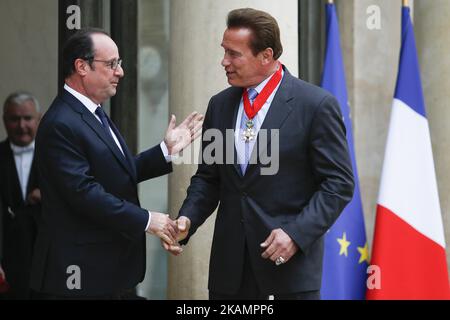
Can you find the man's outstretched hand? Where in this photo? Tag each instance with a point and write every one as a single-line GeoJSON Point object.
{"type": "Point", "coordinates": [179, 137]}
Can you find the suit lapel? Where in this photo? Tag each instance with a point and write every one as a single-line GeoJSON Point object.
{"type": "Point", "coordinates": [230, 116]}
{"type": "Point", "coordinates": [129, 157]}
{"type": "Point", "coordinates": [100, 131]}
{"type": "Point", "coordinates": [33, 177]}
{"type": "Point", "coordinates": [12, 184]}
{"type": "Point", "coordinates": [96, 126]}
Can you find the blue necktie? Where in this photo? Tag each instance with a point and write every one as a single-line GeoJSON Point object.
{"type": "Point", "coordinates": [105, 124]}
{"type": "Point", "coordinates": [104, 119]}
{"type": "Point", "coordinates": [252, 94]}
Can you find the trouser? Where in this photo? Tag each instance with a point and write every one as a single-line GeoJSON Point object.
{"type": "Point", "coordinates": [249, 289]}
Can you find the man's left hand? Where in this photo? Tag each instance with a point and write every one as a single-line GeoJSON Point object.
{"type": "Point", "coordinates": [279, 245]}
{"type": "Point", "coordinates": [179, 137]}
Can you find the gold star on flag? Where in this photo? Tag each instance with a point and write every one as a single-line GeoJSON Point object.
{"type": "Point", "coordinates": [364, 251]}
{"type": "Point", "coordinates": [344, 245]}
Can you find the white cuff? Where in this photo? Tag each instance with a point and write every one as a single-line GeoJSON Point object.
{"type": "Point", "coordinates": [165, 152]}
{"type": "Point", "coordinates": [149, 219]}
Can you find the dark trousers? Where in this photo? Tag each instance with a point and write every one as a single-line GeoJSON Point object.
{"type": "Point", "coordinates": [19, 235]}
{"type": "Point", "coordinates": [249, 289]}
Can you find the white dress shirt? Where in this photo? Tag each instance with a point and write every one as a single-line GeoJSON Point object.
{"type": "Point", "coordinates": [258, 120]}
{"type": "Point", "coordinates": [23, 157]}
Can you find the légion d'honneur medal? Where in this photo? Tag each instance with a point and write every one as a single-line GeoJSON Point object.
{"type": "Point", "coordinates": [249, 132]}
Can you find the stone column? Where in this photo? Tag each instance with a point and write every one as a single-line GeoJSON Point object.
{"type": "Point", "coordinates": [431, 29]}
{"type": "Point", "coordinates": [196, 30]}
{"type": "Point", "coordinates": [29, 54]}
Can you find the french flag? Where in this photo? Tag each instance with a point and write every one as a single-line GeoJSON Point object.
{"type": "Point", "coordinates": [409, 243]}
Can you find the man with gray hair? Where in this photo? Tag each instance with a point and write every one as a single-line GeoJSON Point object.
{"type": "Point", "coordinates": [19, 192]}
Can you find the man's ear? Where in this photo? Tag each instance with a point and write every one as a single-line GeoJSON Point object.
{"type": "Point", "coordinates": [81, 67]}
{"type": "Point", "coordinates": [266, 56]}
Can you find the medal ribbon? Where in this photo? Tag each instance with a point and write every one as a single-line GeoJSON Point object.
{"type": "Point", "coordinates": [252, 110]}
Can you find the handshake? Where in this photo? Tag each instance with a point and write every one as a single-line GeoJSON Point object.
{"type": "Point", "coordinates": [169, 231]}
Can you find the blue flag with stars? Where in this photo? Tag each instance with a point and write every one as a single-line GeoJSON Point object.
{"type": "Point", "coordinates": [346, 252]}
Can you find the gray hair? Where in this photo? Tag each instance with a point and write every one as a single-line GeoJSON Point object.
{"type": "Point", "coordinates": [20, 97]}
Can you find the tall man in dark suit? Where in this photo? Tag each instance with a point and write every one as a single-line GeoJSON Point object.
{"type": "Point", "coordinates": [19, 191]}
{"type": "Point", "coordinates": [91, 240]}
{"type": "Point", "coordinates": [268, 236]}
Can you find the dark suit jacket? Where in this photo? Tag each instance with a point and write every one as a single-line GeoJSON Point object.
{"type": "Point", "coordinates": [91, 218]}
{"type": "Point", "coordinates": [19, 224]}
{"type": "Point", "coordinates": [304, 198]}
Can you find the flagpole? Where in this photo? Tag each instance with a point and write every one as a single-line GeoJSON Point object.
{"type": "Point", "coordinates": [405, 3]}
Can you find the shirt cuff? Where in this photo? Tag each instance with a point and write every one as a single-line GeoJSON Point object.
{"type": "Point", "coordinates": [165, 151]}
{"type": "Point", "coordinates": [149, 219]}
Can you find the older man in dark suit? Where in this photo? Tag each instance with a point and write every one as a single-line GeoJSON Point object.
{"type": "Point", "coordinates": [268, 236]}
{"type": "Point", "coordinates": [19, 191]}
{"type": "Point", "coordinates": [91, 242]}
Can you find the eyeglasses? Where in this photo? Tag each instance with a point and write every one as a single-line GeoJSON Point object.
{"type": "Point", "coordinates": [113, 64]}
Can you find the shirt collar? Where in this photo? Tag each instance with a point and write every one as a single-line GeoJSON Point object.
{"type": "Point", "coordinates": [17, 150]}
{"type": "Point", "coordinates": [261, 86]}
{"type": "Point", "coordinates": [88, 103]}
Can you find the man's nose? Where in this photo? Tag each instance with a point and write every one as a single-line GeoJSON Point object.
{"type": "Point", "coordinates": [225, 62]}
{"type": "Point", "coordinates": [119, 72]}
{"type": "Point", "coordinates": [22, 124]}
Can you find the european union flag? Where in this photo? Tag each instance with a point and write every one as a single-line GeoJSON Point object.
{"type": "Point", "coordinates": [346, 252]}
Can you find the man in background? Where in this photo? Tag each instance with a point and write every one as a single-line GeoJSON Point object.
{"type": "Point", "coordinates": [19, 191]}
